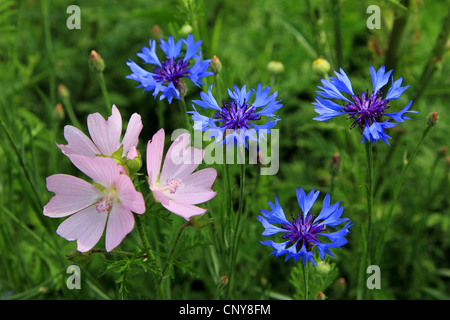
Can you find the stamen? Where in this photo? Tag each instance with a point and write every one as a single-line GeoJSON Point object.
{"type": "Point", "coordinates": [104, 205]}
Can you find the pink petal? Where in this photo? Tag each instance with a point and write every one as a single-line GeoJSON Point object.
{"type": "Point", "coordinates": [196, 187]}
{"type": "Point", "coordinates": [160, 197]}
{"type": "Point", "coordinates": [181, 160]}
{"type": "Point", "coordinates": [106, 133]}
{"type": "Point", "coordinates": [85, 226]}
{"type": "Point", "coordinates": [184, 210]}
{"type": "Point", "coordinates": [71, 195]}
{"type": "Point", "coordinates": [120, 223]}
{"type": "Point", "coordinates": [103, 171]}
{"type": "Point", "coordinates": [128, 196]}
{"type": "Point", "coordinates": [131, 137]}
{"type": "Point", "coordinates": [155, 148]}
{"type": "Point", "coordinates": [78, 143]}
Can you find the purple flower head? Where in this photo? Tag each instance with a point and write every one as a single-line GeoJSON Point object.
{"type": "Point", "coordinates": [238, 120]}
{"type": "Point", "coordinates": [305, 232]}
{"type": "Point", "coordinates": [366, 110]}
{"type": "Point", "coordinates": [167, 75]}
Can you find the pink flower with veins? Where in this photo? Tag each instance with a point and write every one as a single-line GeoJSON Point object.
{"type": "Point", "coordinates": [105, 135]}
{"type": "Point", "coordinates": [176, 186]}
{"type": "Point", "coordinates": [108, 202]}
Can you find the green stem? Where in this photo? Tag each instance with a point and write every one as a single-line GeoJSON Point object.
{"type": "Point", "coordinates": [218, 89]}
{"type": "Point", "coordinates": [104, 92]}
{"type": "Point", "coordinates": [160, 282]}
{"type": "Point", "coordinates": [185, 114]}
{"type": "Point", "coordinates": [236, 228]}
{"type": "Point", "coordinates": [396, 38]}
{"type": "Point", "coordinates": [73, 118]}
{"type": "Point", "coordinates": [337, 32]}
{"type": "Point", "coordinates": [305, 278]}
{"type": "Point", "coordinates": [397, 189]}
{"type": "Point", "coordinates": [369, 155]}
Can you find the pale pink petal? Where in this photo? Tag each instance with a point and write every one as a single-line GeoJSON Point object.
{"type": "Point", "coordinates": [196, 188]}
{"type": "Point", "coordinates": [120, 223]}
{"type": "Point", "coordinates": [160, 197]}
{"type": "Point", "coordinates": [71, 195]}
{"type": "Point", "coordinates": [183, 210]}
{"type": "Point", "coordinates": [106, 133]}
{"type": "Point", "coordinates": [181, 160]}
{"type": "Point", "coordinates": [155, 149]}
{"type": "Point", "coordinates": [132, 153]}
{"type": "Point", "coordinates": [131, 137]}
{"type": "Point", "coordinates": [103, 171]}
{"type": "Point", "coordinates": [78, 143]}
{"type": "Point", "coordinates": [128, 196]}
{"type": "Point", "coordinates": [85, 226]}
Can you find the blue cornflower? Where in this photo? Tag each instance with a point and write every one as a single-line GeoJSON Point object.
{"type": "Point", "coordinates": [238, 120]}
{"type": "Point", "coordinates": [367, 109]}
{"type": "Point", "coordinates": [305, 232]}
{"type": "Point", "coordinates": [167, 75]}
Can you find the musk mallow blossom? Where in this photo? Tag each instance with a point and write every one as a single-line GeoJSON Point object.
{"type": "Point", "coordinates": [108, 201]}
{"type": "Point", "coordinates": [368, 110]}
{"type": "Point", "coordinates": [167, 75]}
{"type": "Point", "coordinates": [177, 187]}
{"type": "Point", "coordinates": [241, 118]}
{"type": "Point", "coordinates": [105, 136]}
{"type": "Point", "coordinates": [304, 231]}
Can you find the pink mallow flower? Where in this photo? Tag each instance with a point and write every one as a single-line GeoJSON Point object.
{"type": "Point", "coordinates": [176, 187]}
{"type": "Point", "coordinates": [105, 135]}
{"type": "Point", "coordinates": [108, 202]}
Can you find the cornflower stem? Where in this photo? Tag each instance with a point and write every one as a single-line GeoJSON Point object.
{"type": "Point", "coordinates": [163, 273]}
{"type": "Point", "coordinates": [396, 38]}
{"type": "Point", "coordinates": [185, 114]}
{"type": "Point", "coordinates": [337, 31]}
{"type": "Point", "coordinates": [236, 228]}
{"type": "Point", "coordinates": [73, 118]}
{"type": "Point", "coordinates": [397, 189]}
{"type": "Point", "coordinates": [102, 83]}
{"type": "Point", "coordinates": [305, 278]}
{"type": "Point", "coordinates": [369, 155]}
{"type": "Point", "coordinates": [218, 89]}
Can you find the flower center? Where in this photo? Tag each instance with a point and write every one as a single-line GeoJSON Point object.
{"type": "Point", "coordinates": [171, 70]}
{"type": "Point", "coordinates": [234, 116]}
{"type": "Point", "coordinates": [173, 184]}
{"type": "Point", "coordinates": [104, 205]}
{"type": "Point", "coordinates": [365, 108]}
{"type": "Point", "coordinates": [302, 229]}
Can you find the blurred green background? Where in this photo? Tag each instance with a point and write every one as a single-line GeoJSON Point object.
{"type": "Point", "coordinates": [38, 54]}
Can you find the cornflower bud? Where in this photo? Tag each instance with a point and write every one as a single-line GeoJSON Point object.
{"type": "Point", "coordinates": [321, 66]}
{"type": "Point", "coordinates": [96, 62]}
{"type": "Point", "coordinates": [275, 67]}
{"type": "Point", "coordinates": [432, 119]}
{"type": "Point", "coordinates": [215, 65]}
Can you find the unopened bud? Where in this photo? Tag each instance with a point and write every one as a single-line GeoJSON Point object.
{"type": "Point", "coordinates": [133, 161]}
{"type": "Point", "coordinates": [157, 32]}
{"type": "Point", "coordinates": [432, 119]}
{"type": "Point", "coordinates": [443, 151]}
{"type": "Point", "coordinates": [224, 280]}
{"type": "Point", "coordinates": [58, 112]}
{"type": "Point", "coordinates": [321, 67]}
{"type": "Point", "coordinates": [275, 67]}
{"type": "Point", "coordinates": [215, 65]}
{"type": "Point", "coordinates": [63, 92]}
{"type": "Point", "coordinates": [321, 296]}
{"type": "Point", "coordinates": [334, 166]}
{"type": "Point", "coordinates": [186, 29]}
{"type": "Point", "coordinates": [96, 62]}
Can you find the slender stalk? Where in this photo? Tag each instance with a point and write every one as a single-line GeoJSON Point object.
{"type": "Point", "coordinates": [337, 31]}
{"type": "Point", "coordinates": [160, 282]}
{"type": "Point", "coordinates": [73, 118]}
{"type": "Point", "coordinates": [104, 92]}
{"type": "Point", "coordinates": [369, 155]}
{"type": "Point", "coordinates": [396, 38]}
{"type": "Point", "coordinates": [305, 278]}
{"type": "Point", "coordinates": [185, 114]}
{"type": "Point", "coordinates": [397, 189]}
{"type": "Point", "coordinates": [236, 228]}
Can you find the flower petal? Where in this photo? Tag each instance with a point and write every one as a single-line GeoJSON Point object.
{"type": "Point", "coordinates": [103, 171]}
{"type": "Point", "coordinates": [128, 196]}
{"type": "Point", "coordinates": [120, 223]}
{"type": "Point", "coordinates": [106, 133]}
{"type": "Point", "coordinates": [131, 137]}
{"type": "Point", "coordinates": [71, 195]}
{"type": "Point", "coordinates": [78, 143]}
{"type": "Point", "coordinates": [155, 148]}
{"type": "Point", "coordinates": [85, 226]}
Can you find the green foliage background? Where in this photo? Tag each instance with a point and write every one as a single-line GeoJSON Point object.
{"type": "Point", "coordinates": [38, 53]}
